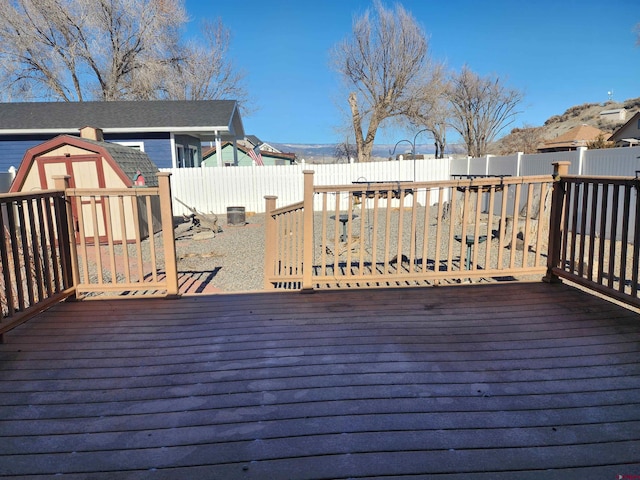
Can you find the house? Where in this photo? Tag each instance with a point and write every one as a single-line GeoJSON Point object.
{"type": "Point", "coordinates": [170, 132]}
{"type": "Point", "coordinates": [576, 137]}
{"type": "Point", "coordinates": [628, 135]}
{"type": "Point", "coordinates": [91, 163]}
{"type": "Point", "coordinates": [244, 158]}
{"type": "Point", "coordinates": [615, 115]}
{"type": "Point", "coordinates": [253, 141]}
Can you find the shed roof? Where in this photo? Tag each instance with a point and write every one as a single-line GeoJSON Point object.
{"type": "Point", "coordinates": [128, 159]}
{"type": "Point", "coordinates": [199, 117]}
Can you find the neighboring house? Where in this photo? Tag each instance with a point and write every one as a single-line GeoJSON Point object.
{"type": "Point", "coordinates": [244, 158]}
{"type": "Point", "coordinates": [628, 135]}
{"type": "Point", "coordinates": [253, 141]}
{"type": "Point", "coordinates": [91, 163]}
{"type": "Point", "coordinates": [171, 132]}
{"type": "Point", "coordinates": [576, 137]}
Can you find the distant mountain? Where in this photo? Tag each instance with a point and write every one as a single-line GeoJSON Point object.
{"type": "Point", "coordinates": [326, 153]}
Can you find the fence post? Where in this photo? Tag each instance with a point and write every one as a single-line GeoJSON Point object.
{"type": "Point", "coordinates": [307, 246]}
{"type": "Point", "coordinates": [269, 240]}
{"type": "Point", "coordinates": [68, 252]}
{"type": "Point", "coordinates": [581, 153]}
{"type": "Point", "coordinates": [560, 169]}
{"type": "Point", "coordinates": [168, 237]}
{"type": "Point", "coordinates": [519, 164]}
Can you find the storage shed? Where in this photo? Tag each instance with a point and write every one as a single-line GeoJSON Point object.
{"type": "Point", "coordinates": [91, 163]}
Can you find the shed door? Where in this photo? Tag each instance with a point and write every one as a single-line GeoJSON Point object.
{"type": "Point", "coordinates": [86, 172]}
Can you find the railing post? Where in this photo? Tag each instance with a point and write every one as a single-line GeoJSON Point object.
{"type": "Point", "coordinates": [168, 236]}
{"type": "Point", "coordinates": [307, 248]}
{"type": "Point", "coordinates": [69, 254]}
{"type": "Point", "coordinates": [560, 169]}
{"type": "Point", "coordinates": [269, 240]}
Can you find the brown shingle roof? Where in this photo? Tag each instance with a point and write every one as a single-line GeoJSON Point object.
{"type": "Point", "coordinates": [576, 137]}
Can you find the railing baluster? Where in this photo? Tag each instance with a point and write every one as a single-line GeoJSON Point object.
{"type": "Point", "coordinates": [613, 231]}
{"type": "Point", "coordinates": [439, 227]}
{"type": "Point", "coordinates": [123, 235]}
{"type": "Point", "coordinates": [45, 248]}
{"type": "Point", "coordinates": [110, 246]}
{"type": "Point", "coordinates": [603, 231]}
{"type": "Point", "coordinates": [624, 243]}
{"type": "Point", "coordinates": [414, 226]}
{"type": "Point", "coordinates": [452, 228]}
{"type": "Point", "coordinates": [503, 226]}
{"type": "Point", "coordinates": [636, 244]}
{"type": "Point", "coordinates": [514, 230]}
{"type": "Point", "coordinates": [583, 227]}
{"type": "Point", "coordinates": [527, 227]}
{"type": "Point", "coordinates": [593, 210]}
{"type": "Point", "coordinates": [425, 236]}
{"type": "Point", "coordinates": [400, 232]}
{"type": "Point", "coordinates": [152, 244]}
{"type": "Point", "coordinates": [4, 259]}
{"type": "Point", "coordinates": [476, 229]}
{"type": "Point", "coordinates": [137, 239]}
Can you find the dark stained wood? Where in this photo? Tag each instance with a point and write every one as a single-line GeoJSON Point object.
{"type": "Point", "coordinates": [496, 381]}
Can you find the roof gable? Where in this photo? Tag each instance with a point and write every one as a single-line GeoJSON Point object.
{"type": "Point", "coordinates": [628, 130]}
{"type": "Point", "coordinates": [129, 160]}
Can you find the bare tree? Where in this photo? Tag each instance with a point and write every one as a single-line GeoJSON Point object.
{"type": "Point", "coordinates": [432, 110]}
{"type": "Point", "coordinates": [345, 151]}
{"type": "Point", "coordinates": [77, 50]}
{"type": "Point", "coordinates": [202, 70]}
{"type": "Point", "coordinates": [481, 108]}
{"type": "Point", "coordinates": [384, 63]}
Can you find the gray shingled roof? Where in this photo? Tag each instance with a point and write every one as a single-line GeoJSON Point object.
{"type": "Point", "coordinates": [130, 160]}
{"type": "Point", "coordinates": [170, 115]}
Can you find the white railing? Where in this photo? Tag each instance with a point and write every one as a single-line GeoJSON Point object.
{"type": "Point", "coordinates": [214, 189]}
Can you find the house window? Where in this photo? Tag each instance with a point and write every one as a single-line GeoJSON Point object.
{"type": "Point", "coordinates": [136, 145]}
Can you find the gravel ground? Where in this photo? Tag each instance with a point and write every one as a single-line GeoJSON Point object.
{"type": "Point", "coordinates": [232, 261]}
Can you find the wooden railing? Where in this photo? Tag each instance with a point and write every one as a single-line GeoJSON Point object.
{"type": "Point", "coordinates": [596, 241]}
{"type": "Point", "coordinates": [401, 233]}
{"type": "Point", "coordinates": [85, 243]}
{"type": "Point", "coordinates": [117, 249]}
{"type": "Point", "coordinates": [35, 258]}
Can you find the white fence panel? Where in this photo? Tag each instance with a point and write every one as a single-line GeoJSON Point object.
{"type": "Point", "coordinates": [478, 166]}
{"type": "Point", "coordinates": [504, 165]}
{"type": "Point", "coordinates": [541, 163]}
{"type": "Point", "coordinates": [622, 162]}
{"type": "Point", "coordinates": [213, 189]}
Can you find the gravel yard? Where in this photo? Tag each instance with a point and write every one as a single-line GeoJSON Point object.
{"type": "Point", "coordinates": [232, 261]}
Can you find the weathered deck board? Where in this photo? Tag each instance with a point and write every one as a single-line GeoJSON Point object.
{"type": "Point", "coordinates": [484, 381]}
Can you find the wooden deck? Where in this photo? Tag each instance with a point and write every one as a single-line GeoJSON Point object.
{"type": "Point", "coordinates": [505, 381]}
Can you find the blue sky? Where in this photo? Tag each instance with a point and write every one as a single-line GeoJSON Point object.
{"type": "Point", "coordinates": [560, 53]}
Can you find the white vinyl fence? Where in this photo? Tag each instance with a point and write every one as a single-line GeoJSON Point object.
{"type": "Point", "coordinates": [214, 189]}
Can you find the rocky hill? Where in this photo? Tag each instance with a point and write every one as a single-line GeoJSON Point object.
{"type": "Point", "coordinates": [524, 139]}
